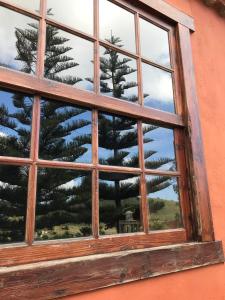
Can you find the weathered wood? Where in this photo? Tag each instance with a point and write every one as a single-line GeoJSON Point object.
{"type": "Point", "coordinates": [194, 143]}
{"type": "Point", "coordinates": [59, 91]}
{"type": "Point", "coordinates": [170, 12]}
{"type": "Point", "coordinates": [51, 250]}
{"type": "Point", "coordinates": [72, 276]}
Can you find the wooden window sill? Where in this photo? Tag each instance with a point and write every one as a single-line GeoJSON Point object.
{"type": "Point", "coordinates": [54, 279]}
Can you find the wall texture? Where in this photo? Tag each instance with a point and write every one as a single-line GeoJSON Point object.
{"type": "Point", "coordinates": [207, 283]}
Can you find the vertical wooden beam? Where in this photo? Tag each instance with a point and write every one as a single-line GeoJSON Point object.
{"type": "Point", "coordinates": [96, 48]}
{"type": "Point", "coordinates": [199, 183]}
{"type": "Point", "coordinates": [138, 61]}
{"type": "Point", "coordinates": [41, 40]}
{"type": "Point", "coordinates": [143, 204]}
{"type": "Point", "coordinates": [95, 193]}
{"type": "Point", "coordinates": [179, 144]}
{"type": "Point", "coordinates": [32, 182]}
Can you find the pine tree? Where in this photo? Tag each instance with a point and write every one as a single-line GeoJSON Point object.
{"type": "Point", "coordinates": [53, 144]}
{"type": "Point", "coordinates": [114, 71]}
{"type": "Point", "coordinates": [119, 135]}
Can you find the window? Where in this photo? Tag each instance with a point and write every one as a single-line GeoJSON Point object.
{"type": "Point", "coordinates": [95, 155]}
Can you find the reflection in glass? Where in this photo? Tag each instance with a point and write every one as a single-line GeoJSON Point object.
{"type": "Point", "coordinates": [65, 132]}
{"type": "Point", "coordinates": [15, 123]}
{"type": "Point", "coordinates": [159, 148]}
{"type": "Point", "coordinates": [119, 203]}
{"type": "Point", "coordinates": [163, 201]}
{"type": "Point", "coordinates": [77, 14]}
{"type": "Point", "coordinates": [118, 141]}
{"type": "Point", "coordinates": [116, 22]}
{"type": "Point", "coordinates": [20, 36]}
{"type": "Point", "coordinates": [157, 88]}
{"type": "Point", "coordinates": [13, 203]}
{"type": "Point", "coordinates": [68, 58]}
{"type": "Point", "coordinates": [118, 75]}
{"type": "Point", "coordinates": [63, 204]}
{"type": "Point", "coordinates": [154, 43]}
{"type": "Point", "coordinates": [29, 4]}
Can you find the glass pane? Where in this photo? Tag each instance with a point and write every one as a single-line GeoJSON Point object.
{"type": "Point", "coordinates": [159, 148]}
{"type": "Point", "coordinates": [118, 75]}
{"type": "Point", "coordinates": [163, 200]}
{"type": "Point", "coordinates": [116, 25]}
{"type": "Point", "coordinates": [13, 203]}
{"type": "Point", "coordinates": [154, 43]}
{"type": "Point", "coordinates": [65, 132]}
{"type": "Point", "coordinates": [20, 36]}
{"type": "Point", "coordinates": [118, 141]}
{"type": "Point", "coordinates": [68, 59]}
{"type": "Point", "coordinates": [29, 4]}
{"type": "Point", "coordinates": [119, 203]}
{"type": "Point", "coordinates": [77, 14]}
{"type": "Point", "coordinates": [157, 88]}
{"type": "Point", "coordinates": [63, 204]}
{"type": "Point", "coordinates": [15, 123]}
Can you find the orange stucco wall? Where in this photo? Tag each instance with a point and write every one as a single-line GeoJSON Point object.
{"type": "Point", "coordinates": [207, 283]}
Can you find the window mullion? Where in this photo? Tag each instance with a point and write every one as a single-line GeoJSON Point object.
{"type": "Point", "coordinates": [95, 193]}
{"type": "Point", "coordinates": [138, 50]}
{"type": "Point", "coordinates": [144, 207]}
{"type": "Point", "coordinates": [96, 47]}
{"type": "Point", "coordinates": [32, 183]}
{"type": "Point", "coordinates": [41, 40]}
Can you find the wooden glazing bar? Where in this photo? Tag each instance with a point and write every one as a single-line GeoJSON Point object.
{"type": "Point", "coordinates": [31, 204]}
{"type": "Point", "coordinates": [20, 9]}
{"type": "Point", "coordinates": [41, 40]}
{"type": "Point", "coordinates": [144, 207]}
{"type": "Point", "coordinates": [149, 62]}
{"type": "Point", "coordinates": [139, 64]}
{"type": "Point", "coordinates": [15, 161]}
{"type": "Point", "coordinates": [69, 29]}
{"type": "Point", "coordinates": [107, 44]}
{"type": "Point", "coordinates": [162, 172]}
{"type": "Point", "coordinates": [118, 169]}
{"type": "Point", "coordinates": [32, 182]}
{"type": "Point", "coordinates": [35, 129]}
{"type": "Point", "coordinates": [59, 91]}
{"type": "Point", "coordinates": [64, 165]}
{"type": "Point", "coordinates": [59, 249]}
{"type": "Point", "coordinates": [95, 193]}
{"type": "Point", "coordinates": [96, 48]}
{"type": "Point", "coordinates": [95, 204]}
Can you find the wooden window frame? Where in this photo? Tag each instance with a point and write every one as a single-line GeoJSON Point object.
{"type": "Point", "coordinates": [198, 236]}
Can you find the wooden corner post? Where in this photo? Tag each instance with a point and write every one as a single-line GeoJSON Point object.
{"type": "Point", "coordinates": [195, 154]}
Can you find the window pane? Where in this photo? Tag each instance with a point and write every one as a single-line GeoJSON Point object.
{"type": "Point", "coordinates": [116, 25]}
{"type": "Point", "coordinates": [163, 201]}
{"type": "Point", "coordinates": [118, 75]}
{"type": "Point", "coordinates": [15, 123]}
{"type": "Point", "coordinates": [13, 203]}
{"type": "Point", "coordinates": [157, 88]}
{"type": "Point", "coordinates": [159, 148]}
{"type": "Point", "coordinates": [154, 43]}
{"type": "Point", "coordinates": [77, 14]}
{"type": "Point", "coordinates": [63, 204]}
{"type": "Point", "coordinates": [20, 36]}
{"type": "Point", "coordinates": [29, 4]}
{"type": "Point", "coordinates": [119, 203]}
{"type": "Point", "coordinates": [118, 141]}
{"type": "Point", "coordinates": [68, 59]}
{"type": "Point", "coordinates": [65, 132]}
